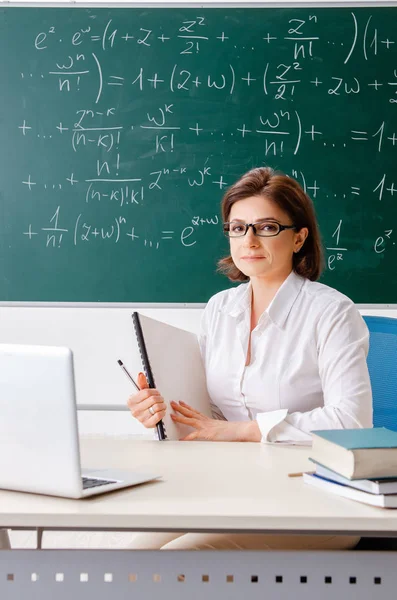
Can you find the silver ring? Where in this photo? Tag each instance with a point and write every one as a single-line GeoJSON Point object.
{"type": "Point", "coordinates": [151, 410]}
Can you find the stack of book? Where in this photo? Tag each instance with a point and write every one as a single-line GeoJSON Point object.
{"type": "Point", "coordinates": [360, 464]}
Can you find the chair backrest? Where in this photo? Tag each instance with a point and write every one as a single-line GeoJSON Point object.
{"type": "Point", "coordinates": [382, 366]}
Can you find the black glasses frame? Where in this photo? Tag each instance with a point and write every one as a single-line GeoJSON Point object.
{"type": "Point", "coordinates": [281, 227]}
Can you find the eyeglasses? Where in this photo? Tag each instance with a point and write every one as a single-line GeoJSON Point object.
{"type": "Point", "coordinates": [262, 228]}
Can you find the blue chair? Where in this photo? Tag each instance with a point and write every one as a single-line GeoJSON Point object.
{"type": "Point", "coordinates": [382, 366]}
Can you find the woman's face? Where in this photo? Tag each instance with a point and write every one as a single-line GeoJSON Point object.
{"type": "Point", "coordinates": [264, 256]}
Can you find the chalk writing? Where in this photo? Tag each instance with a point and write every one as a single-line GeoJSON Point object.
{"type": "Point", "coordinates": [127, 126]}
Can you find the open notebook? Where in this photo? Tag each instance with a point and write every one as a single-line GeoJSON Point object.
{"type": "Point", "coordinates": [172, 363]}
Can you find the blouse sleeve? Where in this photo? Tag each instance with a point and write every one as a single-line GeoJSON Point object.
{"type": "Point", "coordinates": [342, 348]}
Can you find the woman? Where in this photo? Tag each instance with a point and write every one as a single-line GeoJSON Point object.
{"type": "Point", "coordinates": [296, 349]}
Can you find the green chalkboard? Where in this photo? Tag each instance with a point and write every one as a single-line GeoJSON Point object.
{"type": "Point", "coordinates": [122, 127]}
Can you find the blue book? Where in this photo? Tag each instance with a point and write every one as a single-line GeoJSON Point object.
{"type": "Point", "coordinates": [382, 500]}
{"type": "Point", "coordinates": [384, 485]}
{"type": "Point", "coordinates": [357, 453]}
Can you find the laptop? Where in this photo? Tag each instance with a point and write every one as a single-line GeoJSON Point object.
{"type": "Point", "coordinates": [39, 441]}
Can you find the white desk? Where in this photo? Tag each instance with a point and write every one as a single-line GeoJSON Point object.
{"type": "Point", "coordinates": [205, 486]}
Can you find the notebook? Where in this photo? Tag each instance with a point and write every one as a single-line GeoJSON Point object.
{"type": "Point", "coordinates": [171, 361]}
{"type": "Point", "coordinates": [357, 453]}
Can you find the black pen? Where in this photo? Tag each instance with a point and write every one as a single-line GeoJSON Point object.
{"type": "Point", "coordinates": [128, 375]}
{"type": "Point", "coordinates": [159, 425]}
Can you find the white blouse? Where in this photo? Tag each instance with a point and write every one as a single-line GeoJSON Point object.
{"type": "Point", "coordinates": [308, 366]}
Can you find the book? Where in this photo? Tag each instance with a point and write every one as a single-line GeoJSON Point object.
{"type": "Point", "coordinates": [382, 500]}
{"type": "Point", "coordinates": [357, 453]}
{"type": "Point", "coordinates": [373, 486]}
{"type": "Point", "coordinates": [172, 363]}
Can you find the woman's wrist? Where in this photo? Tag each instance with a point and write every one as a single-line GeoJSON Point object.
{"type": "Point", "coordinates": [248, 431]}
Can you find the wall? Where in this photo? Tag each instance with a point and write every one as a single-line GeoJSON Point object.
{"type": "Point", "coordinates": [98, 337]}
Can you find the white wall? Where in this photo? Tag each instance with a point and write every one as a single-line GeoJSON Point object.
{"type": "Point", "coordinates": [98, 337]}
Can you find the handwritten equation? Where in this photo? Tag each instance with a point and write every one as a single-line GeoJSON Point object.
{"type": "Point", "coordinates": [85, 230]}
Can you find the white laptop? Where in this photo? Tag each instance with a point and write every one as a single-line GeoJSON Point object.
{"type": "Point", "coordinates": [39, 442]}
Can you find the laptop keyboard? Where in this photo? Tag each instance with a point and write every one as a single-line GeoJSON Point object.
{"type": "Point", "coordinates": [90, 482]}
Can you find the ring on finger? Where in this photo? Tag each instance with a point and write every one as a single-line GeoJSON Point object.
{"type": "Point", "coordinates": [151, 410]}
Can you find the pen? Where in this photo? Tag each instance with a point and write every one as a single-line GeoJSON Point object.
{"type": "Point", "coordinates": [128, 375]}
{"type": "Point", "coordinates": [159, 425]}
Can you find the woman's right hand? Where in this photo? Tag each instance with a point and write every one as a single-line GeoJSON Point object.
{"type": "Point", "coordinates": [147, 405]}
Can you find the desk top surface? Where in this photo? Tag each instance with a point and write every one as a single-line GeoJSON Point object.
{"type": "Point", "coordinates": [204, 486]}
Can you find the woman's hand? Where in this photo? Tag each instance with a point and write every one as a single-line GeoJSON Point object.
{"type": "Point", "coordinates": [213, 430]}
{"type": "Point", "coordinates": [148, 405]}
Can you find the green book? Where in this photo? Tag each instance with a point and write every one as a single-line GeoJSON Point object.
{"type": "Point", "coordinates": [357, 453]}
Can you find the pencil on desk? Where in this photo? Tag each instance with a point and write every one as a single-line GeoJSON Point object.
{"type": "Point", "coordinates": [300, 474]}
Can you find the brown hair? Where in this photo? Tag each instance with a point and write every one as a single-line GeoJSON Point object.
{"type": "Point", "coordinates": [288, 195]}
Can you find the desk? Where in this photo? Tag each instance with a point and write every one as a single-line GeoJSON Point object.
{"type": "Point", "coordinates": [205, 487]}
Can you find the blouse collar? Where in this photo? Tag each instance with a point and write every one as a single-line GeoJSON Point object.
{"type": "Point", "coordinates": [280, 306]}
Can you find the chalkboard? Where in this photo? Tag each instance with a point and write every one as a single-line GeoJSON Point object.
{"type": "Point", "coordinates": [121, 128]}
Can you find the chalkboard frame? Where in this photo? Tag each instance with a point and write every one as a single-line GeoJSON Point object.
{"type": "Point", "coordinates": [76, 4]}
